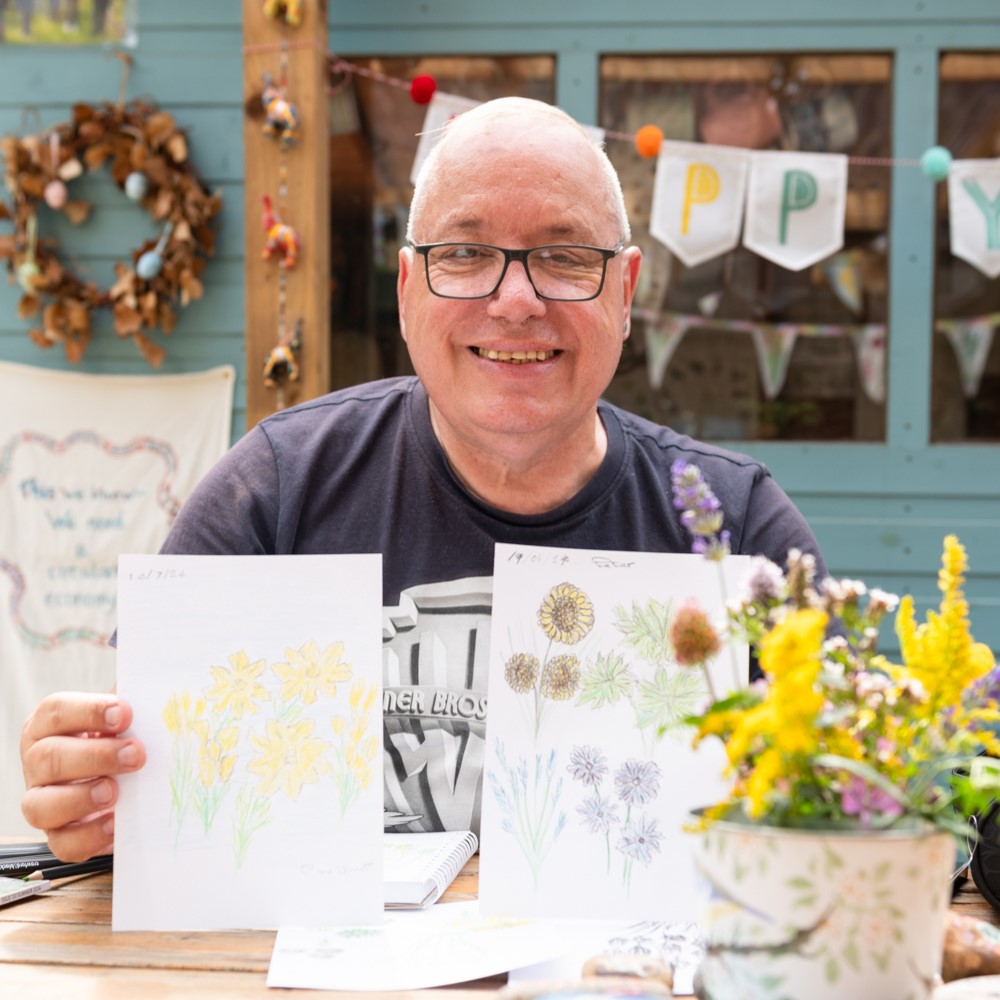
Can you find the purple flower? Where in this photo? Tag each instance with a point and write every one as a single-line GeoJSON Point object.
{"type": "Point", "coordinates": [598, 813]}
{"type": "Point", "coordinates": [587, 764]}
{"type": "Point", "coordinates": [701, 512]}
{"type": "Point", "coordinates": [639, 840]}
{"type": "Point", "coordinates": [861, 799]}
{"type": "Point", "coordinates": [637, 781]}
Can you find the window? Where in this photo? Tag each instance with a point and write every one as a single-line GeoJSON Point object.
{"type": "Point", "coordinates": [965, 396]}
{"type": "Point", "coordinates": [712, 386]}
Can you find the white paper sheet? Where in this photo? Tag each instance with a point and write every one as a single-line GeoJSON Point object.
{"type": "Point", "coordinates": [583, 807]}
{"type": "Point", "coordinates": [256, 686]}
{"type": "Point", "coordinates": [416, 949]}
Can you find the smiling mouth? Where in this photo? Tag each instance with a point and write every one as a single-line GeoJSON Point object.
{"type": "Point", "coordinates": [515, 357]}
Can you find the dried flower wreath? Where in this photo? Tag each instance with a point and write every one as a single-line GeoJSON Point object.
{"type": "Point", "coordinates": [148, 158]}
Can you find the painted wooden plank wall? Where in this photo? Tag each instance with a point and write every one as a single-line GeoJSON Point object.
{"type": "Point", "coordinates": [880, 511]}
{"type": "Point", "coordinates": [188, 61]}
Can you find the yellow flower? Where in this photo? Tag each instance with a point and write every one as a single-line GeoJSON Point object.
{"type": "Point", "coordinates": [521, 672]}
{"type": "Point", "coordinates": [290, 757]}
{"type": "Point", "coordinates": [361, 696]}
{"type": "Point", "coordinates": [237, 690]}
{"type": "Point", "coordinates": [181, 714]}
{"type": "Point", "coordinates": [309, 671]}
{"type": "Point", "coordinates": [797, 639]}
{"type": "Point", "coordinates": [566, 614]}
{"type": "Point", "coordinates": [560, 678]}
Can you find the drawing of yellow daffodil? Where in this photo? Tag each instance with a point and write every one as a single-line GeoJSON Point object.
{"type": "Point", "coordinates": [238, 690]}
{"type": "Point", "coordinates": [290, 757]}
{"type": "Point", "coordinates": [352, 768]}
{"type": "Point", "coordinates": [182, 716]}
{"type": "Point", "coordinates": [566, 614]}
{"type": "Point", "coordinates": [216, 760]}
{"type": "Point", "coordinates": [309, 671]}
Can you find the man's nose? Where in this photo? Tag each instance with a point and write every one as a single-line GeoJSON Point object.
{"type": "Point", "coordinates": [515, 293]}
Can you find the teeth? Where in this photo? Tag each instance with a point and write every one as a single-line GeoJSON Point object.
{"type": "Point", "coordinates": [516, 357]}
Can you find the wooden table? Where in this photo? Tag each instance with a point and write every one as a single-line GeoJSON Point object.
{"type": "Point", "coordinates": [59, 946]}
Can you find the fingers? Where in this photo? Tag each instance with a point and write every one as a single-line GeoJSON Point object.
{"type": "Point", "coordinates": [72, 713]}
{"type": "Point", "coordinates": [70, 750]}
{"type": "Point", "coordinates": [75, 818]}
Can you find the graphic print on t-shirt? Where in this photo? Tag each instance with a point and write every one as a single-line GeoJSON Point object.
{"type": "Point", "coordinates": [435, 656]}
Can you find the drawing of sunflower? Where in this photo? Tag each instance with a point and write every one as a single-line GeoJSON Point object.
{"type": "Point", "coordinates": [309, 672]}
{"type": "Point", "coordinates": [560, 677]}
{"type": "Point", "coordinates": [290, 757]}
{"type": "Point", "coordinates": [237, 690]}
{"type": "Point", "coordinates": [566, 614]}
{"type": "Point", "coordinates": [521, 672]}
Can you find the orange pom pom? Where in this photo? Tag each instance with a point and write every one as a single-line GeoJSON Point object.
{"type": "Point", "coordinates": [648, 140]}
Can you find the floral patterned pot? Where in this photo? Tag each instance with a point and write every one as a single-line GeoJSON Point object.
{"type": "Point", "coordinates": [822, 914]}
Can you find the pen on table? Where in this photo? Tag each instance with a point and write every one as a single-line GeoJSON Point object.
{"type": "Point", "coordinates": [102, 863]}
{"type": "Point", "coordinates": [12, 867]}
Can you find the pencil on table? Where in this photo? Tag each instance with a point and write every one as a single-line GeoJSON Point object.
{"type": "Point", "coordinates": [103, 862]}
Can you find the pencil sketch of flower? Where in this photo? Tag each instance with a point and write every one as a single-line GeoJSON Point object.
{"type": "Point", "coordinates": [310, 671]}
{"type": "Point", "coordinates": [529, 800]}
{"type": "Point", "coordinates": [640, 840]}
{"type": "Point", "coordinates": [637, 782]}
{"type": "Point", "coordinates": [668, 699]}
{"type": "Point", "coordinates": [521, 671]}
{"type": "Point", "coordinates": [560, 677]}
{"type": "Point", "coordinates": [357, 747]}
{"type": "Point", "coordinates": [289, 757]}
{"type": "Point", "coordinates": [237, 690]}
{"type": "Point", "coordinates": [646, 630]}
{"type": "Point", "coordinates": [216, 760]}
{"type": "Point", "coordinates": [566, 614]}
{"type": "Point", "coordinates": [587, 764]}
{"type": "Point", "coordinates": [182, 716]}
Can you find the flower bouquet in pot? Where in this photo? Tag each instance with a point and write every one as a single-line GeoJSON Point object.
{"type": "Point", "coordinates": [826, 871]}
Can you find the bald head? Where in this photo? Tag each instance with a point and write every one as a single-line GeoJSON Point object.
{"type": "Point", "coordinates": [502, 127]}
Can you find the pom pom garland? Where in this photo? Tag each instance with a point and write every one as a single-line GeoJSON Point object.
{"type": "Point", "coordinates": [648, 141]}
{"type": "Point", "coordinates": [935, 163]}
{"type": "Point", "coordinates": [422, 89]}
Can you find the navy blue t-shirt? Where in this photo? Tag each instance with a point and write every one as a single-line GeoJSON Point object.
{"type": "Point", "coordinates": [360, 470]}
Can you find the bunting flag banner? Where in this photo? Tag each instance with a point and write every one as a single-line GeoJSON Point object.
{"type": "Point", "coordinates": [843, 275]}
{"type": "Point", "coordinates": [708, 305]}
{"type": "Point", "coordinates": [698, 197]}
{"type": "Point", "coordinates": [974, 213]}
{"type": "Point", "coordinates": [869, 349]}
{"type": "Point", "coordinates": [440, 110]}
{"type": "Point", "coordinates": [971, 340]}
{"type": "Point", "coordinates": [774, 344]}
{"type": "Point", "coordinates": [795, 207]}
{"type": "Point", "coordinates": [663, 336]}
{"type": "Point", "coordinates": [91, 466]}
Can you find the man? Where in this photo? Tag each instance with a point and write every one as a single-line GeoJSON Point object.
{"type": "Point", "coordinates": [514, 299]}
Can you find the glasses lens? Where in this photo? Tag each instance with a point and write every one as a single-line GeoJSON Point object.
{"type": "Point", "coordinates": [566, 272]}
{"type": "Point", "coordinates": [463, 270]}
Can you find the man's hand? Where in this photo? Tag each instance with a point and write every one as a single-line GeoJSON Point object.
{"type": "Point", "coordinates": [69, 751]}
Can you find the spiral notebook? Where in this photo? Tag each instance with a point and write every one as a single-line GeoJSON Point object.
{"type": "Point", "coordinates": [418, 867]}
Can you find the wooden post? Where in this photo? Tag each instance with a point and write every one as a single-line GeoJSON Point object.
{"type": "Point", "coordinates": [305, 205]}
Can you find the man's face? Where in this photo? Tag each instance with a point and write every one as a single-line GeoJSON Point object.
{"type": "Point", "coordinates": [514, 189]}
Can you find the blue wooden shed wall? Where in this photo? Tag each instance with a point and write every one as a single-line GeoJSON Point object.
{"type": "Point", "coordinates": [880, 510]}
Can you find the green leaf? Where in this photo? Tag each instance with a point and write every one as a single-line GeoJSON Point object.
{"type": "Point", "coordinates": [605, 682]}
{"type": "Point", "coordinates": [851, 957]}
{"type": "Point", "coordinates": [669, 699]}
{"type": "Point", "coordinates": [832, 970]}
{"type": "Point", "coordinates": [645, 630]}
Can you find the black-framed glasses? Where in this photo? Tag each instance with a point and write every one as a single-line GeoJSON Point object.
{"type": "Point", "coordinates": [562, 273]}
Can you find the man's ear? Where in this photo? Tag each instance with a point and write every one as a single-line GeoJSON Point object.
{"type": "Point", "coordinates": [406, 268]}
{"type": "Point", "coordinates": [632, 261]}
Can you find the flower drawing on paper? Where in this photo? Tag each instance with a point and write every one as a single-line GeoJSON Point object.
{"type": "Point", "coordinates": [310, 671]}
{"type": "Point", "coordinates": [528, 796]}
{"type": "Point", "coordinates": [521, 672]}
{"type": "Point", "coordinates": [565, 616]}
{"type": "Point", "coordinates": [247, 732]}
{"type": "Point", "coordinates": [237, 688]}
{"type": "Point", "coordinates": [636, 783]}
